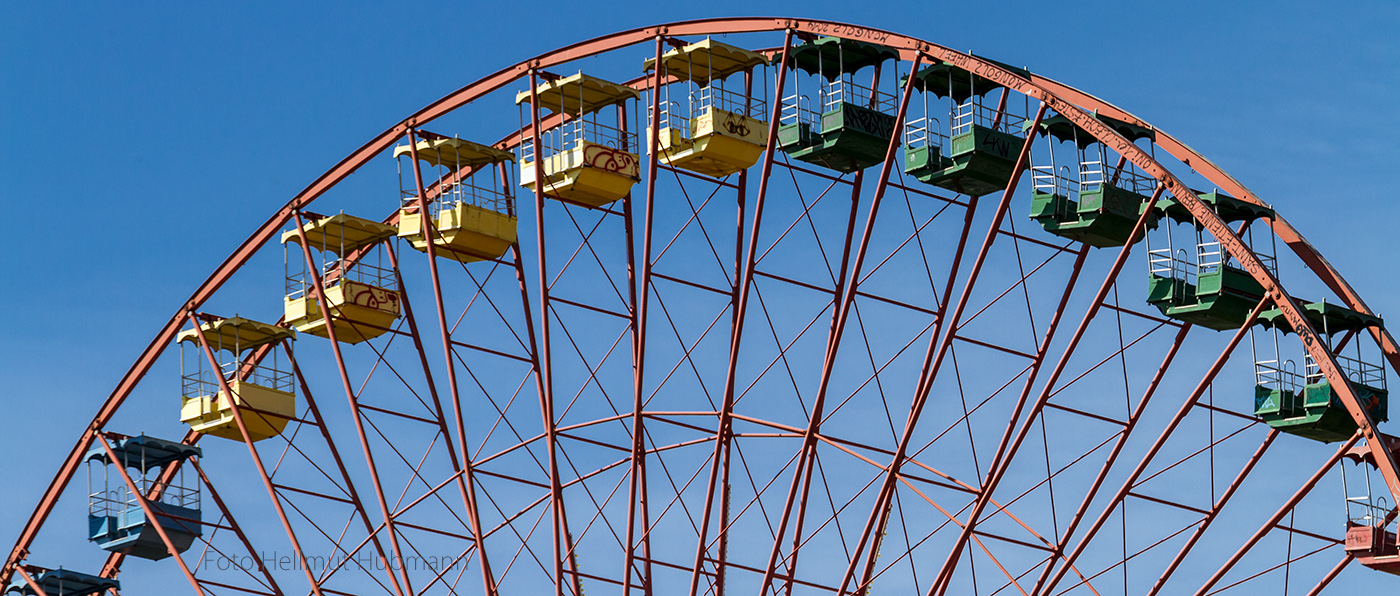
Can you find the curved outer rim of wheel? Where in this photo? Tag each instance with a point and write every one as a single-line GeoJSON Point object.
{"type": "Point", "coordinates": [1063, 99]}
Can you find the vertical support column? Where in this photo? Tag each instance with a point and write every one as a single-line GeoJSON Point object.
{"type": "Point", "coordinates": [559, 527]}
{"type": "Point", "coordinates": [467, 485]}
{"type": "Point", "coordinates": [324, 303]}
{"type": "Point", "coordinates": [257, 461]}
{"type": "Point", "coordinates": [740, 300]}
{"type": "Point", "coordinates": [726, 430]}
{"type": "Point", "coordinates": [640, 290]}
{"type": "Point", "coordinates": [845, 299]}
{"type": "Point", "coordinates": [525, 308]}
{"type": "Point", "coordinates": [150, 513]}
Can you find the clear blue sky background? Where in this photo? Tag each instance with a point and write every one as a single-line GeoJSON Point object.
{"type": "Point", "coordinates": [142, 143]}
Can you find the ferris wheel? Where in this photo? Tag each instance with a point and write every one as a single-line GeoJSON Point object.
{"type": "Point", "coordinates": [748, 306]}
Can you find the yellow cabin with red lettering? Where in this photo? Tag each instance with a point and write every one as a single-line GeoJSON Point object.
{"type": "Point", "coordinates": [714, 130]}
{"type": "Point", "coordinates": [362, 295]}
{"type": "Point", "coordinates": [584, 157]}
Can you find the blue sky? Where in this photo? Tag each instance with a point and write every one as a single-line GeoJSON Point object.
{"type": "Point", "coordinates": [144, 143]}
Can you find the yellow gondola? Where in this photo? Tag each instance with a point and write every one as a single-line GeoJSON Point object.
{"type": "Point", "coordinates": [583, 160]}
{"type": "Point", "coordinates": [263, 394]}
{"type": "Point", "coordinates": [473, 221]}
{"type": "Point", "coordinates": [363, 298]}
{"type": "Point", "coordinates": [718, 132]}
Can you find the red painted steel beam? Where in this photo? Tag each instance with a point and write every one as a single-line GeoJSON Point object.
{"type": "Point", "coordinates": [740, 301]}
{"type": "Point", "coordinates": [465, 477]}
{"type": "Point", "coordinates": [1278, 516]}
{"type": "Point", "coordinates": [1008, 446]}
{"type": "Point", "coordinates": [546, 372]}
{"type": "Point", "coordinates": [636, 485]}
{"type": "Point", "coordinates": [325, 304]}
{"type": "Point", "coordinates": [253, 451]}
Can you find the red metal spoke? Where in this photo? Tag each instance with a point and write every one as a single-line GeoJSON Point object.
{"type": "Point", "coordinates": [559, 521]}
{"type": "Point", "coordinates": [346, 485]}
{"type": "Point", "coordinates": [1156, 447]}
{"type": "Point", "coordinates": [744, 271]}
{"type": "Point", "coordinates": [1009, 444]}
{"type": "Point", "coordinates": [637, 488]}
{"type": "Point", "coordinates": [321, 299]}
{"type": "Point", "coordinates": [1278, 516]}
{"type": "Point", "coordinates": [1284, 564]}
{"type": "Point", "coordinates": [938, 348]}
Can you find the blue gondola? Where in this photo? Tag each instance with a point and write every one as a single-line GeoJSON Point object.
{"type": "Point", "coordinates": [116, 521]}
{"type": "Point", "coordinates": [61, 581]}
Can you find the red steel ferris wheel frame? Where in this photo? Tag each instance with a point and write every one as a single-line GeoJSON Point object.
{"type": "Point", "coordinates": [1076, 105]}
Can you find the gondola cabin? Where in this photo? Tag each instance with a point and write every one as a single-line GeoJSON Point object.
{"type": "Point", "coordinates": [976, 153]}
{"type": "Point", "coordinates": [361, 293]}
{"type": "Point", "coordinates": [1370, 537]}
{"type": "Point", "coordinates": [1206, 288]}
{"type": "Point", "coordinates": [846, 126]}
{"type": "Point", "coordinates": [56, 582]}
{"type": "Point", "coordinates": [1308, 405]}
{"type": "Point", "coordinates": [1095, 201]}
{"type": "Point", "coordinates": [714, 130]}
{"type": "Point", "coordinates": [473, 215]}
{"type": "Point", "coordinates": [263, 394]}
{"type": "Point", "coordinates": [586, 158]}
{"type": "Point", "coordinates": [116, 520]}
